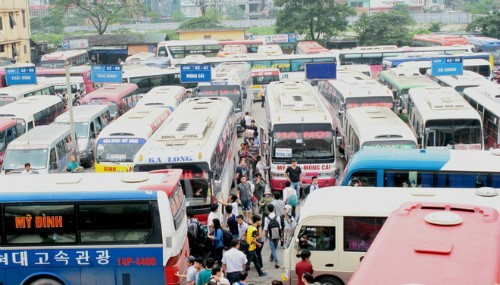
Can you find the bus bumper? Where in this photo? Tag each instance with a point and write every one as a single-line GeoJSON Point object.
{"type": "Point", "coordinates": [278, 184]}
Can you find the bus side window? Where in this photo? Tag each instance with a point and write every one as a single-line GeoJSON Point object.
{"type": "Point", "coordinates": [61, 150]}
{"type": "Point", "coordinates": [30, 125]}
{"type": "Point", "coordinates": [363, 179]}
{"type": "Point", "coordinates": [98, 125]}
{"type": "Point", "coordinates": [92, 130]}
{"type": "Point", "coordinates": [359, 232]}
{"type": "Point", "coordinates": [317, 238]}
{"type": "Point", "coordinates": [53, 159]}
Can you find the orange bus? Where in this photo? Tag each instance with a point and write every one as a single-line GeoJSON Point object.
{"type": "Point", "coordinates": [120, 98]}
{"type": "Point", "coordinates": [438, 40]}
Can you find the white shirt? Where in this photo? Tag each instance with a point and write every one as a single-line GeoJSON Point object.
{"type": "Point", "coordinates": [287, 192]}
{"type": "Point", "coordinates": [248, 120]}
{"type": "Point", "coordinates": [24, 172]}
{"type": "Point", "coordinates": [235, 208]}
{"type": "Point", "coordinates": [210, 220]}
{"type": "Point", "coordinates": [241, 229]}
{"type": "Point", "coordinates": [279, 207]}
{"type": "Point", "coordinates": [235, 260]}
{"type": "Point", "coordinates": [313, 187]}
{"type": "Point", "coordinates": [191, 274]}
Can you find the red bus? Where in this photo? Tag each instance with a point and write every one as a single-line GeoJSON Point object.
{"type": "Point", "coordinates": [83, 71]}
{"type": "Point", "coordinates": [120, 98]}
{"type": "Point", "coordinates": [434, 243]}
{"type": "Point", "coordinates": [8, 133]}
{"type": "Point", "coordinates": [309, 47]}
{"type": "Point", "coordinates": [438, 40]}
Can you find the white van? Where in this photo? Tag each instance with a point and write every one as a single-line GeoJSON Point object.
{"type": "Point", "coordinates": [44, 147]}
{"type": "Point", "coordinates": [89, 121]}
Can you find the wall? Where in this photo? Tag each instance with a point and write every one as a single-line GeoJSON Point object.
{"type": "Point", "coordinates": [15, 30]}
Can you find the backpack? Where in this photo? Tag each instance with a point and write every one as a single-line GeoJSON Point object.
{"type": "Point", "coordinates": [244, 244]}
{"type": "Point", "coordinates": [273, 228]}
{"type": "Point", "coordinates": [293, 201]}
{"type": "Point", "coordinates": [243, 124]}
{"type": "Point", "coordinates": [227, 238]}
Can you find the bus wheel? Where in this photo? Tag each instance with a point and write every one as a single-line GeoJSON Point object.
{"type": "Point", "coordinates": [331, 280]}
{"type": "Point", "coordinates": [45, 281]}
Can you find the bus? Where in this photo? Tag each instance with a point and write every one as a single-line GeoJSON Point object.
{"type": "Point", "coordinates": [352, 89]}
{"type": "Point", "coordinates": [400, 81]}
{"type": "Point", "coordinates": [459, 82]}
{"type": "Point", "coordinates": [118, 143]}
{"type": "Point", "coordinates": [429, 40]}
{"type": "Point", "coordinates": [229, 50]}
{"type": "Point", "coordinates": [3, 79]}
{"type": "Point", "coordinates": [164, 96]}
{"type": "Point", "coordinates": [262, 77]}
{"type": "Point", "coordinates": [486, 100]}
{"type": "Point", "coordinates": [60, 87]}
{"type": "Point", "coordinates": [270, 49]}
{"type": "Point", "coordinates": [119, 97]}
{"type": "Point", "coordinates": [338, 224]}
{"type": "Point", "coordinates": [177, 50]}
{"type": "Point", "coordinates": [8, 133]}
{"type": "Point", "coordinates": [308, 47]}
{"type": "Point", "coordinates": [375, 127]}
{"type": "Point", "coordinates": [199, 138]}
{"type": "Point", "coordinates": [139, 58]}
{"type": "Point", "coordinates": [479, 66]}
{"type": "Point", "coordinates": [485, 44]}
{"type": "Point", "coordinates": [33, 111]}
{"type": "Point", "coordinates": [300, 127]}
{"type": "Point", "coordinates": [59, 59]}
{"type": "Point", "coordinates": [15, 92]}
{"type": "Point", "coordinates": [232, 80]}
{"type": "Point", "coordinates": [423, 168]}
{"type": "Point", "coordinates": [436, 240]}
{"type": "Point", "coordinates": [440, 117]}
{"type": "Point", "coordinates": [89, 228]}
{"type": "Point", "coordinates": [148, 77]}
{"type": "Point", "coordinates": [74, 71]}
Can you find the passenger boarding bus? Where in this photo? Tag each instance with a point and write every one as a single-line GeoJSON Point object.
{"type": "Point", "coordinates": [262, 77]}
{"type": "Point", "coordinates": [436, 240]}
{"type": "Point", "coordinates": [118, 143]}
{"type": "Point", "coordinates": [148, 77]}
{"type": "Point", "coordinates": [300, 127]}
{"type": "Point", "coordinates": [33, 111]}
{"type": "Point", "coordinates": [375, 127]}
{"type": "Point", "coordinates": [423, 168]}
{"type": "Point", "coordinates": [199, 138]}
{"type": "Point", "coordinates": [44, 147]}
{"type": "Point", "coordinates": [440, 117]}
{"type": "Point", "coordinates": [88, 228]}
{"type": "Point", "coordinates": [232, 80]}
{"type": "Point", "coordinates": [8, 133]}
{"type": "Point", "coordinates": [338, 224]}
{"type": "Point", "coordinates": [15, 92]}
{"type": "Point", "coordinates": [427, 40]}
{"type": "Point", "coordinates": [89, 121]}
{"type": "Point", "coordinates": [59, 59]}
{"type": "Point", "coordinates": [308, 47]}
{"type": "Point", "coordinates": [119, 97]}
{"type": "Point", "coordinates": [486, 100]}
{"type": "Point", "coordinates": [164, 96]}
{"type": "Point", "coordinates": [459, 82]}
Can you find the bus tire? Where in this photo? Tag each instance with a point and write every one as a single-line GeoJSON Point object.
{"type": "Point", "coordinates": [332, 280]}
{"type": "Point", "coordinates": [45, 281]}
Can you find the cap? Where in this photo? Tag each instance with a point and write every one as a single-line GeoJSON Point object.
{"type": "Point", "coordinates": [268, 191]}
{"type": "Point", "coordinates": [294, 160]}
{"type": "Point", "coordinates": [190, 259]}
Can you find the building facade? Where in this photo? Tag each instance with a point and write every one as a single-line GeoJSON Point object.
{"type": "Point", "coordinates": [15, 30]}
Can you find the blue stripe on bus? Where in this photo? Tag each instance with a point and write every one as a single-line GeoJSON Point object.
{"type": "Point", "coordinates": [80, 196]}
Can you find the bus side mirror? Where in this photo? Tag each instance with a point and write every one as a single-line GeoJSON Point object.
{"type": "Point", "coordinates": [245, 95]}
{"type": "Point", "coordinates": [297, 248]}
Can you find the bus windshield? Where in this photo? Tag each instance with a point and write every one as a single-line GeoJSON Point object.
{"type": "Point", "coordinates": [4, 100]}
{"type": "Point", "coordinates": [266, 79]}
{"type": "Point", "coordinates": [15, 159]}
{"type": "Point", "coordinates": [453, 133]}
{"type": "Point", "coordinates": [118, 149]}
{"type": "Point", "coordinates": [302, 141]}
{"type": "Point", "coordinates": [232, 92]}
{"type": "Point", "coordinates": [52, 64]}
{"type": "Point", "coordinates": [81, 129]}
{"type": "Point", "coordinates": [390, 144]}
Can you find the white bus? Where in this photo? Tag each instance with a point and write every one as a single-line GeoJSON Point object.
{"type": "Point", "coordinates": [59, 59]}
{"type": "Point", "coordinates": [341, 222]}
{"type": "Point", "coordinates": [459, 82]}
{"type": "Point", "coordinates": [118, 143]}
{"type": "Point", "coordinates": [59, 83]}
{"type": "Point", "coordinates": [232, 80]}
{"type": "Point", "coordinates": [15, 92]}
{"type": "Point", "coordinates": [300, 127]}
{"type": "Point", "coordinates": [44, 147]}
{"type": "Point", "coordinates": [199, 138]}
{"type": "Point", "coordinates": [375, 127]}
{"type": "Point", "coordinates": [164, 96]}
{"type": "Point", "coordinates": [440, 117]}
{"type": "Point", "coordinates": [148, 77]}
{"type": "Point", "coordinates": [486, 100]}
{"type": "Point", "coordinates": [480, 66]}
{"type": "Point", "coordinates": [33, 111]}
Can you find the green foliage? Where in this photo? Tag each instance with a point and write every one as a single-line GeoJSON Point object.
{"type": "Point", "coordinates": [201, 23]}
{"type": "Point", "coordinates": [487, 25]}
{"type": "Point", "coordinates": [178, 16]}
{"type": "Point", "coordinates": [435, 27]}
{"type": "Point", "coordinates": [213, 14]}
{"type": "Point", "coordinates": [390, 28]}
{"type": "Point", "coordinates": [479, 6]}
{"type": "Point", "coordinates": [235, 13]}
{"type": "Point", "coordinates": [261, 30]}
{"type": "Point", "coordinates": [51, 23]}
{"type": "Point", "coordinates": [51, 39]}
{"type": "Point", "coordinates": [318, 19]}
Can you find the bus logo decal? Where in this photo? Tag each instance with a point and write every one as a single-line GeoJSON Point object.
{"type": "Point", "coordinates": [179, 158]}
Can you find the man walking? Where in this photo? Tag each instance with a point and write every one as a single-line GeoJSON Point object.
{"type": "Point", "coordinates": [252, 233]}
{"type": "Point", "coordinates": [234, 262]}
{"type": "Point", "coordinates": [294, 175]}
{"type": "Point", "coordinates": [244, 197]}
{"type": "Point", "coordinates": [273, 230]}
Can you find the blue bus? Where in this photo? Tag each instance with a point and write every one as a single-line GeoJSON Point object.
{"type": "Point", "coordinates": [423, 168]}
{"type": "Point", "coordinates": [78, 229]}
{"type": "Point", "coordinates": [485, 44]}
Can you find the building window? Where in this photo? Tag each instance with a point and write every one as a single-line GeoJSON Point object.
{"type": "Point", "coordinates": [25, 50]}
{"type": "Point", "coordinates": [357, 4]}
{"type": "Point", "coordinates": [24, 19]}
{"type": "Point", "coordinates": [2, 48]}
{"type": "Point", "coordinates": [12, 21]}
{"type": "Point", "coordinates": [1, 23]}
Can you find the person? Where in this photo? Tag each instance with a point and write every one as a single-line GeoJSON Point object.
{"type": "Point", "coordinates": [304, 265]}
{"type": "Point", "coordinates": [260, 167]}
{"type": "Point", "coordinates": [231, 222]}
{"type": "Point", "coordinates": [248, 119]}
{"type": "Point", "coordinates": [233, 201]}
{"type": "Point", "coordinates": [242, 227]}
{"type": "Point", "coordinates": [253, 151]}
{"type": "Point", "coordinates": [73, 165]}
{"type": "Point", "coordinates": [288, 198]}
{"type": "Point", "coordinates": [273, 231]}
{"type": "Point", "coordinates": [194, 233]}
{"type": "Point", "coordinates": [294, 175]}
{"type": "Point", "coordinates": [205, 275]}
{"type": "Point", "coordinates": [27, 169]}
{"type": "Point", "coordinates": [214, 209]}
{"type": "Point", "coordinates": [307, 278]}
{"type": "Point", "coordinates": [263, 95]}
{"type": "Point", "coordinates": [252, 234]}
{"type": "Point", "coordinates": [244, 197]}
{"type": "Point", "coordinates": [279, 205]}
{"type": "Point", "coordinates": [264, 202]}
{"type": "Point", "coordinates": [288, 223]}
{"type": "Point", "coordinates": [259, 186]}
{"type": "Point", "coordinates": [305, 242]}
{"type": "Point", "coordinates": [256, 138]}
{"type": "Point", "coordinates": [217, 237]}
{"type": "Point", "coordinates": [198, 265]}
{"type": "Point", "coordinates": [242, 152]}
{"type": "Point", "coordinates": [234, 262]}
{"type": "Point", "coordinates": [8, 172]}
{"type": "Point", "coordinates": [218, 277]}
{"type": "Point", "coordinates": [188, 93]}
{"type": "Point", "coordinates": [120, 61]}
{"type": "Point", "coordinates": [70, 146]}
{"type": "Point", "coordinates": [241, 170]}
{"type": "Point", "coordinates": [243, 278]}
{"type": "Point", "coordinates": [314, 184]}
{"type": "Point", "coordinates": [191, 271]}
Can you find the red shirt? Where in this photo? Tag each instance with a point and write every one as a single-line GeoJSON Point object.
{"type": "Point", "coordinates": [302, 267]}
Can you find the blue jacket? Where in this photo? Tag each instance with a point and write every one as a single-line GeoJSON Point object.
{"type": "Point", "coordinates": [219, 238]}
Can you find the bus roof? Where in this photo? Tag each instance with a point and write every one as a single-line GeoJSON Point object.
{"type": "Point", "coordinates": [442, 39]}
{"type": "Point", "coordinates": [88, 186]}
{"type": "Point", "coordinates": [63, 55]}
{"type": "Point", "coordinates": [360, 88]}
{"type": "Point", "coordinates": [292, 102]}
{"type": "Point", "coordinates": [82, 113]}
{"type": "Point", "coordinates": [231, 71]}
{"type": "Point", "coordinates": [432, 159]}
{"type": "Point", "coordinates": [487, 96]}
{"type": "Point", "coordinates": [468, 78]}
{"type": "Point", "coordinates": [20, 90]}
{"type": "Point", "coordinates": [111, 91]}
{"type": "Point", "coordinates": [193, 130]}
{"type": "Point", "coordinates": [39, 137]}
{"type": "Point", "coordinates": [168, 96]}
{"type": "Point", "coordinates": [61, 71]}
{"type": "Point", "coordinates": [443, 103]}
{"type": "Point", "coordinates": [130, 71]}
{"type": "Point", "coordinates": [378, 123]}
{"type": "Point", "coordinates": [28, 106]}
{"type": "Point", "coordinates": [401, 79]}
{"type": "Point", "coordinates": [484, 41]}
{"type": "Point", "coordinates": [59, 80]}
{"type": "Point", "coordinates": [308, 47]}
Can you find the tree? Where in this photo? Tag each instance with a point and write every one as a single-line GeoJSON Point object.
{"type": "Point", "coordinates": [178, 16]}
{"type": "Point", "coordinates": [235, 13]}
{"type": "Point", "coordinates": [317, 18]}
{"type": "Point", "coordinates": [213, 13]}
{"type": "Point", "coordinates": [479, 6]}
{"type": "Point", "coordinates": [389, 28]}
{"type": "Point", "coordinates": [51, 23]}
{"type": "Point", "coordinates": [487, 25]}
{"type": "Point", "coordinates": [200, 23]}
